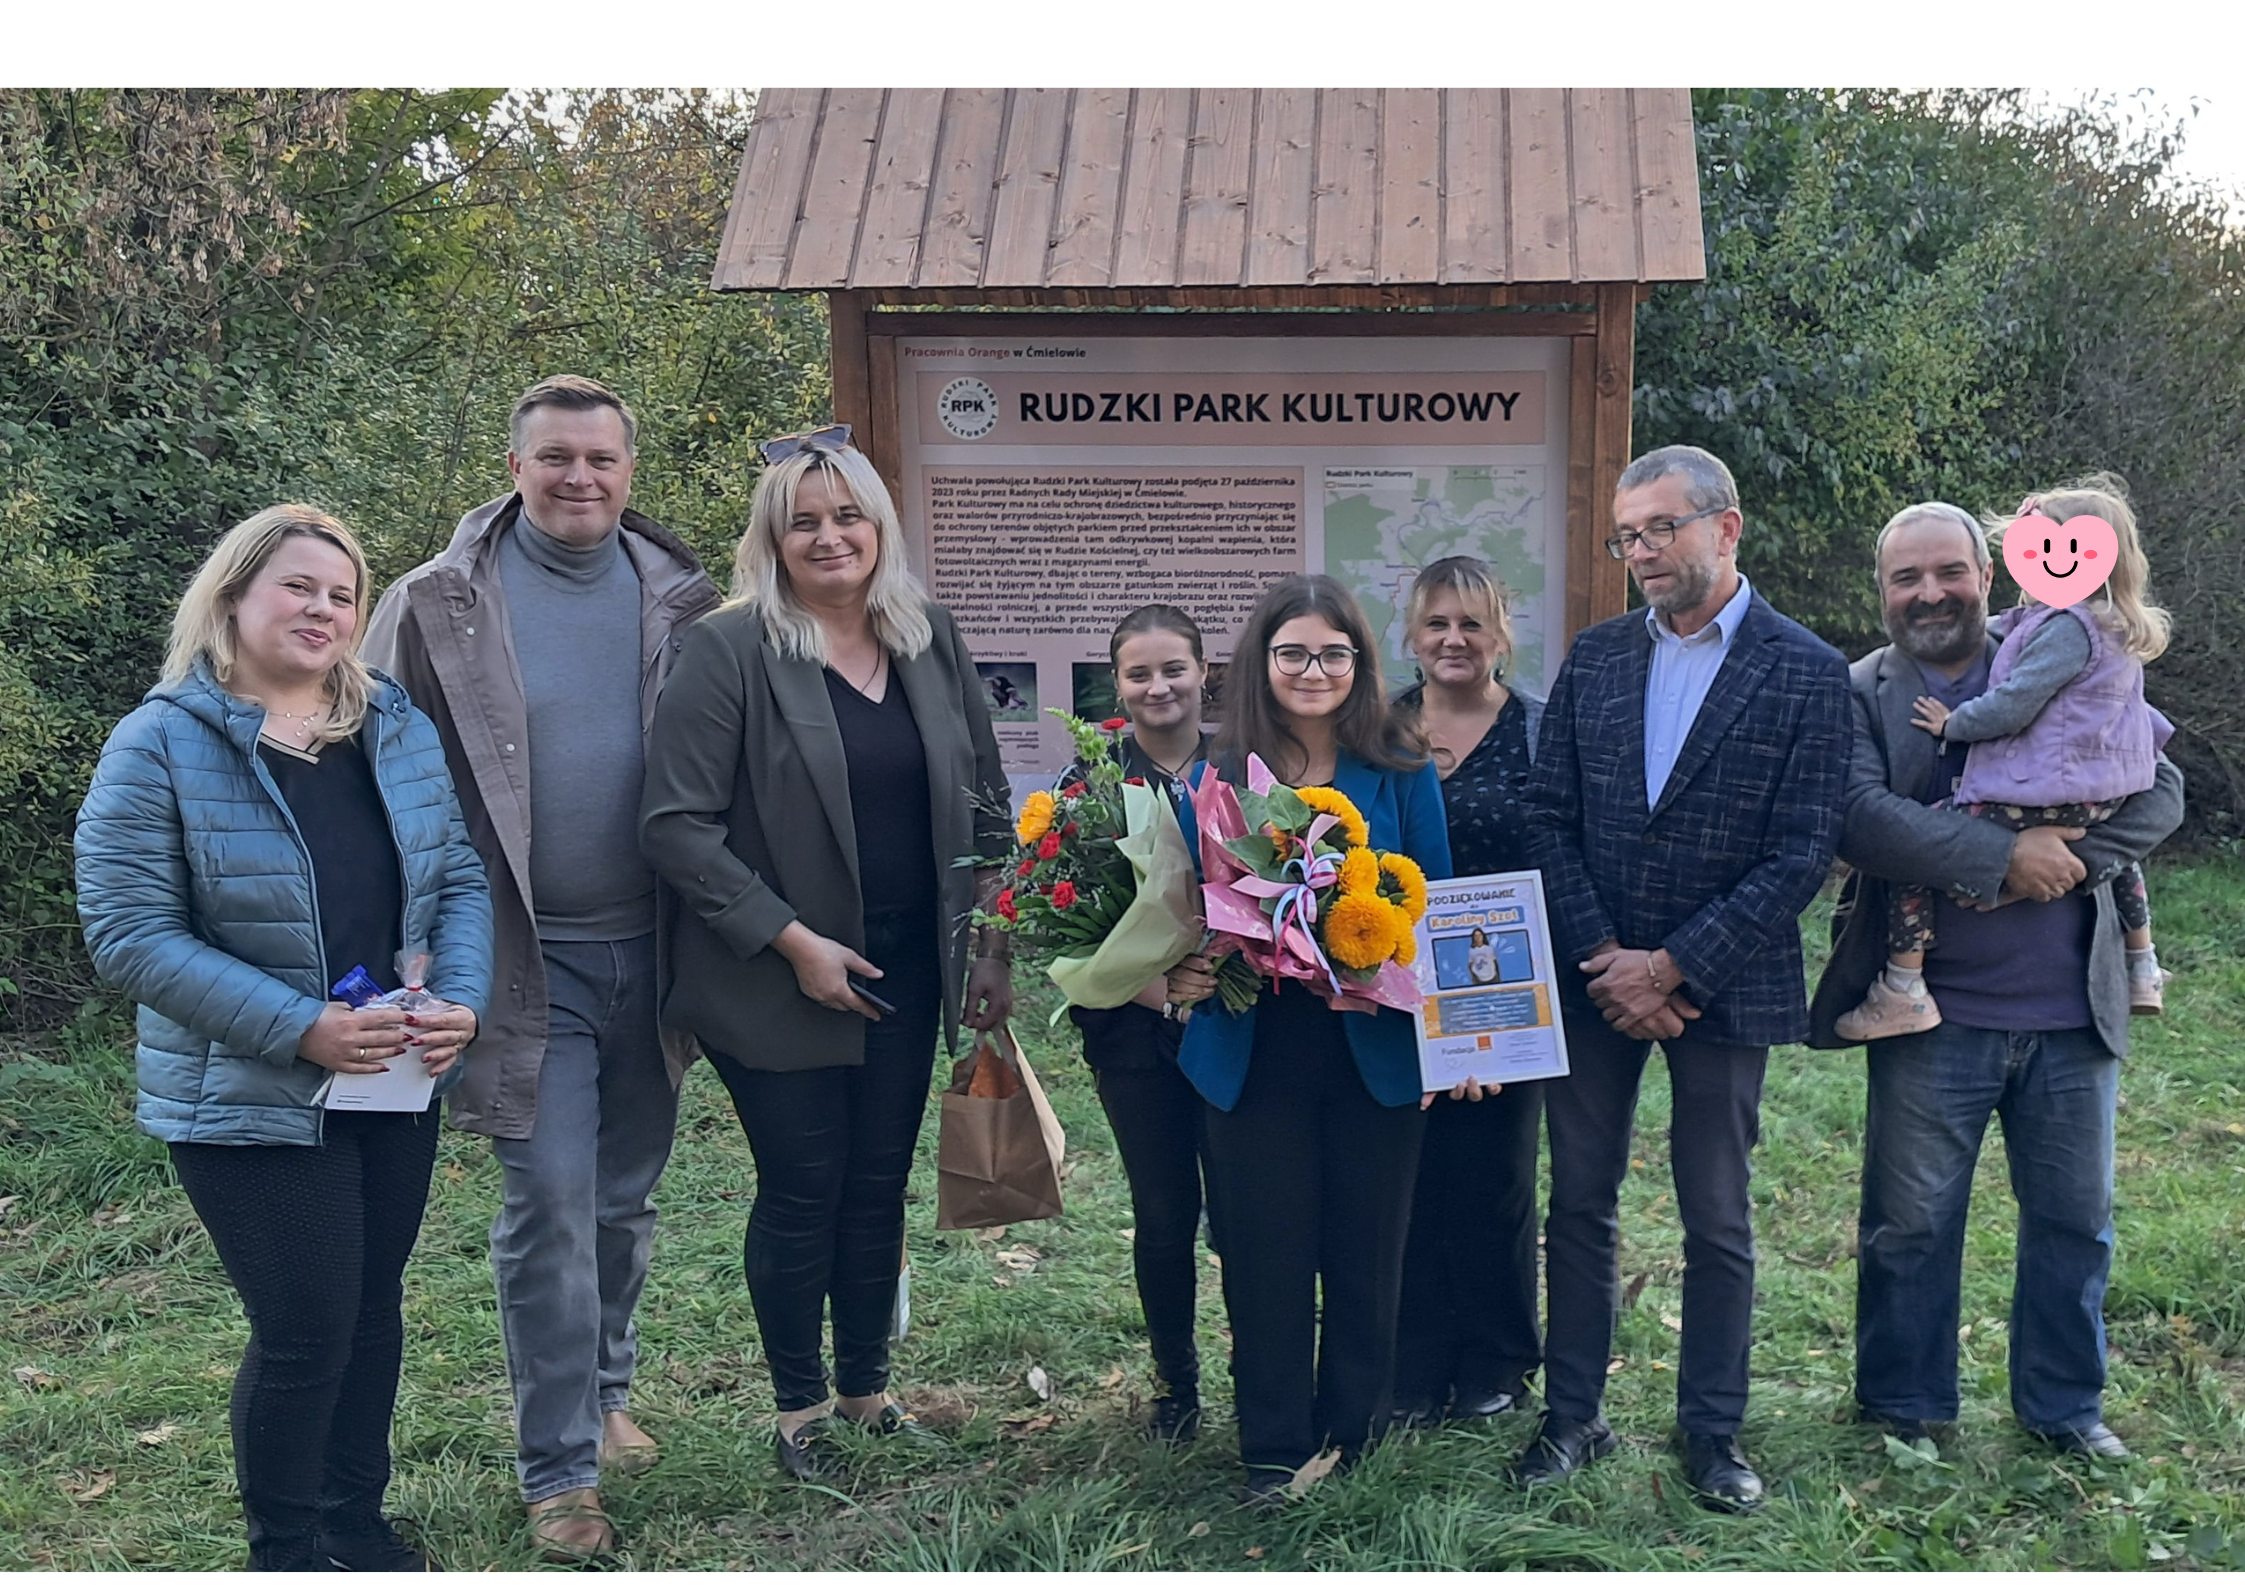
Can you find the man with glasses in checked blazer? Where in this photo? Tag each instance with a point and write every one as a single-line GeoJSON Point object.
{"type": "Point", "coordinates": [1684, 809]}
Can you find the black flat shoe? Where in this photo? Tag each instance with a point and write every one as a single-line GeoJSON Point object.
{"type": "Point", "coordinates": [376, 1547]}
{"type": "Point", "coordinates": [1265, 1488]}
{"type": "Point", "coordinates": [810, 1455]}
{"type": "Point", "coordinates": [1471, 1405]}
{"type": "Point", "coordinates": [1417, 1412]}
{"type": "Point", "coordinates": [892, 1422]}
{"type": "Point", "coordinates": [1717, 1470]}
{"type": "Point", "coordinates": [1174, 1419]}
{"type": "Point", "coordinates": [1562, 1447]}
{"type": "Point", "coordinates": [1907, 1428]}
{"type": "Point", "coordinates": [2097, 1441]}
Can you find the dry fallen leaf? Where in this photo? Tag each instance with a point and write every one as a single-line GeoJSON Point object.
{"type": "Point", "coordinates": [1035, 1424]}
{"type": "Point", "coordinates": [84, 1489]}
{"type": "Point", "coordinates": [35, 1377]}
{"type": "Point", "coordinates": [1113, 1377]}
{"type": "Point", "coordinates": [1314, 1471]}
{"type": "Point", "coordinates": [1256, 1552]}
{"type": "Point", "coordinates": [1672, 1324]}
{"type": "Point", "coordinates": [1636, 1287]}
{"type": "Point", "coordinates": [8, 1204]}
{"type": "Point", "coordinates": [1198, 1529]}
{"type": "Point", "coordinates": [1616, 1365]}
{"type": "Point", "coordinates": [1002, 1280]}
{"type": "Point", "coordinates": [1021, 1259]}
{"type": "Point", "coordinates": [161, 1433]}
{"type": "Point", "coordinates": [1040, 1383]}
{"type": "Point", "coordinates": [1129, 1234]}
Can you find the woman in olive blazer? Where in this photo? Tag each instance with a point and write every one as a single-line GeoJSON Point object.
{"type": "Point", "coordinates": [821, 756]}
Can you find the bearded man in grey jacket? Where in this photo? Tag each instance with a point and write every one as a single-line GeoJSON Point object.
{"type": "Point", "coordinates": [538, 642]}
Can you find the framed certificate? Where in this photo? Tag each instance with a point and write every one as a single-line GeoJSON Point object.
{"type": "Point", "coordinates": [1489, 995]}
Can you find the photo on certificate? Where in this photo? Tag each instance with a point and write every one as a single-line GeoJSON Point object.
{"type": "Point", "coordinates": [1489, 1007]}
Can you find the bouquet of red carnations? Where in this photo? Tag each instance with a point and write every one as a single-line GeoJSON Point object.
{"type": "Point", "coordinates": [1293, 886]}
{"type": "Point", "coordinates": [1099, 885]}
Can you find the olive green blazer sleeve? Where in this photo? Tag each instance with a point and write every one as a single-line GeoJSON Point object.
{"type": "Point", "coordinates": [709, 717]}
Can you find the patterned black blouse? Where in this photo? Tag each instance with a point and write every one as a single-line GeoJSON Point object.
{"type": "Point", "coordinates": [1484, 795]}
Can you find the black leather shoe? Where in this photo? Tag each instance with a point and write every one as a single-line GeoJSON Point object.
{"type": "Point", "coordinates": [1470, 1405]}
{"type": "Point", "coordinates": [1717, 1470]}
{"type": "Point", "coordinates": [1561, 1448]}
{"type": "Point", "coordinates": [1174, 1419]}
{"type": "Point", "coordinates": [809, 1456]}
{"type": "Point", "coordinates": [374, 1547]}
{"type": "Point", "coordinates": [2097, 1441]}
{"type": "Point", "coordinates": [1419, 1411]}
{"type": "Point", "coordinates": [1265, 1488]}
{"type": "Point", "coordinates": [1907, 1428]}
{"type": "Point", "coordinates": [894, 1420]}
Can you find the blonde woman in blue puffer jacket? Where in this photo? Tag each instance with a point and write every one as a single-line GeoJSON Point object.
{"type": "Point", "coordinates": [273, 816]}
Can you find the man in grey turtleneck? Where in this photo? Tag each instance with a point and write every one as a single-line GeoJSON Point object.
{"type": "Point", "coordinates": [538, 642]}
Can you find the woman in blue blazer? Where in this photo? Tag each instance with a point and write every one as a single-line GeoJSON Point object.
{"type": "Point", "coordinates": [1314, 1116]}
{"type": "Point", "coordinates": [276, 814]}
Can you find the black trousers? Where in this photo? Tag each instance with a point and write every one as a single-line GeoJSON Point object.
{"type": "Point", "coordinates": [1156, 1116]}
{"type": "Point", "coordinates": [315, 1239]}
{"type": "Point", "coordinates": [833, 1150]}
{"type": "Point", "coordinates": [1713, 1125]}
{"type": "Point", "coordinates": [1468, 1325]}
{"type": "Point", "coordinates": [1312, 1181]}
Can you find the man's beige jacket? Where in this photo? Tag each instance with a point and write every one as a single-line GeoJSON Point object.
{"type": "Point", "coordinates": [442, 632]}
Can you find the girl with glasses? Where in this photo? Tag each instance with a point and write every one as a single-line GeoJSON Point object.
{"type": "Point", "coordinates": [1313, 1116]}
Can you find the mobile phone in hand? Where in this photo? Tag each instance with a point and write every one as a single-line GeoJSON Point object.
{"type": "Point", "coordinates": [880, 1003]}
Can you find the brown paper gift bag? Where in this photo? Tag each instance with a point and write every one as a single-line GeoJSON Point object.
{"type": "Point", "coordinates": [998, 1151]}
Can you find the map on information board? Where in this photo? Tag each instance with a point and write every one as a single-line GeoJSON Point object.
{"type": "Point", "coordinates": [1384, 524]}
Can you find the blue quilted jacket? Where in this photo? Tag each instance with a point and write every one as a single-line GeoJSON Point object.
{"type": "Point", "coordinates": [197, 898]}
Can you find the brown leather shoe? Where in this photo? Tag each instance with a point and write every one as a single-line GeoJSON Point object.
{"type": "Point", "coordinates": [571, 1528]}
{"type": "Point", "coordinates": [624, 1447]}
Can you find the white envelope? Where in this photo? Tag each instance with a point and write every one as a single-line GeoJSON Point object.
{"type": "Point", "coordinates": [403, 1086]}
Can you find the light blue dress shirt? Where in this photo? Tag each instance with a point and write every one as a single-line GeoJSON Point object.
{"type": "Point", "coordinates": [1676, 684]}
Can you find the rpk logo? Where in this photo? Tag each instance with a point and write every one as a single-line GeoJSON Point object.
{"type": "Point", "coordinates": [968, 408]}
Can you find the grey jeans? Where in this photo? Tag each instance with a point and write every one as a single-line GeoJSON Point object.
{"type": "Point", "coordinates": [569, 1249]}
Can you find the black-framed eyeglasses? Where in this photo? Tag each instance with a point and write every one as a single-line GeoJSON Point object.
{"type": "Point", "coordinates": [827, 438]}
{"type": "Point", "coordinates": [1655, 536]}
{"type": "Point", "coordinates": [1335, 661]}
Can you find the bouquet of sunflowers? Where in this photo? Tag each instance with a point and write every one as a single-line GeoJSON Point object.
{"type": "Point", "coordinates": [1292, 884]}
{"type": "Point", "coordinates": [1099, 887]}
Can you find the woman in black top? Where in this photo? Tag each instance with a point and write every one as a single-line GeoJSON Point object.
{"type": "Point", "coordinates": [821, 755]}
{"type": "Point", "coordinates": [1468, 1337]}
{"type": "Point", "coordinates": [273, 816]}
{"type": "Point", "coordinates": [1132, 1050]}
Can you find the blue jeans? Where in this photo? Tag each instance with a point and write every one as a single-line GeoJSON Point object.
{"type": "Point", "coordinates": [1930, 1098]}
{"type": "Point", "coordinates": [570, 1246]}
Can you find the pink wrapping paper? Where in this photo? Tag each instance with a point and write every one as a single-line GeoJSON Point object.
{"type": "Point", "coordinates": [1234, 898]}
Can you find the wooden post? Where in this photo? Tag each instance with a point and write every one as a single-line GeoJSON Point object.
{"type": "Point", "coordinates": [1609, 454]}
{"type": "Point", "coordinates": [882, 438]}
{"type": "Point", "coordinates": [852, 381]}
{"type": "Point", "coordinates": [1584, 511]}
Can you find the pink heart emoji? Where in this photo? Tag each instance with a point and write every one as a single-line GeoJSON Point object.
{"type": "Point", "coordinates": [2060, 564]}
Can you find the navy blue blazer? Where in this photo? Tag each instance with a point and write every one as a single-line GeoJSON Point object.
{"type": "Point", "coordinates": [1404, 811]}
{"type": "Point", "coordinates": [1720, 869]}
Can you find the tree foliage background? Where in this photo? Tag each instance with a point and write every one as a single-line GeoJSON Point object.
{"type": "Point", "coordinates": [214, 300]}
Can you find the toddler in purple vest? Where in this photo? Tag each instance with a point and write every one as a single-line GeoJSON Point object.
{"type": "Point", "coordinates": [2062, 737]}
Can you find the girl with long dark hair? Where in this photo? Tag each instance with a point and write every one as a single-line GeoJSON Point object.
{"type": "Point", "coordinates": [1313, 1117]}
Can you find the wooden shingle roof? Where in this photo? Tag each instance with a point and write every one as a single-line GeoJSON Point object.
{"type": "Point", "coordinates": [1055, 188]}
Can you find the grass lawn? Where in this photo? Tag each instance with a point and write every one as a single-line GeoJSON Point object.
{"type": "Point", "coordinates": [118, 1335]}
